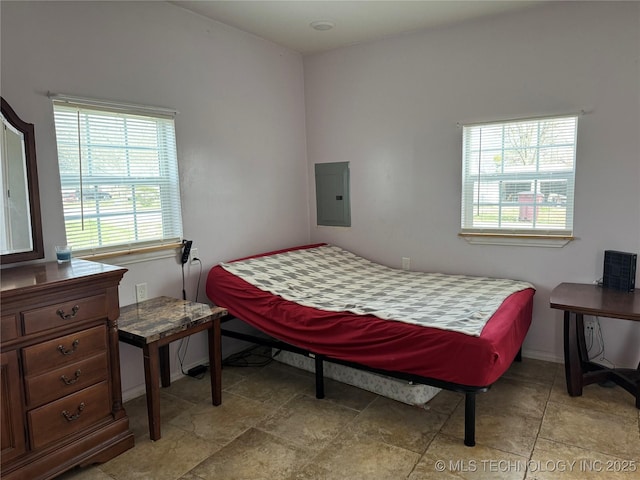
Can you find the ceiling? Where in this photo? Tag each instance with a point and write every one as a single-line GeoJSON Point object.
{"type": "Point", "coordinates": [287, 23]}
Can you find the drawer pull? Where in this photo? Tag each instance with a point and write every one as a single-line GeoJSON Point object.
{"type": "Point", "coordinates": [75, 416]}
{"type": "Point", "coordinates": [71, 381]}
{"type": "Point", "coordinates": [67, 316]}
{"type": "Point", "coordinates": [74, 346]}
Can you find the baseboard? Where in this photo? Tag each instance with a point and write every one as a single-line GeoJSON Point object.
{"type": "Point", "coordinates": [540, 355]}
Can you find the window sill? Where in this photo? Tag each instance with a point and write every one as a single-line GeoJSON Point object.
{"type": "Point", "coordinates": [521, 240]}
{"type": "Point", "coordinates": [133, 255]}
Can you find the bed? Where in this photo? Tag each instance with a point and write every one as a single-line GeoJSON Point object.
{"type": "Point", "coordinates": [455, 332]}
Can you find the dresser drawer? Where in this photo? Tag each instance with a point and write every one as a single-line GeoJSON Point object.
{"type": "Point", "coordinates": [8, 327]}
{"type": "Point", "coordinates": [62, 314]}
{"type": "Point", "coordinates": [63, 381]}
{"type": "Point", "coordinates": [64, 350]}
{"type": "Point", "coordinates": [69, 415]}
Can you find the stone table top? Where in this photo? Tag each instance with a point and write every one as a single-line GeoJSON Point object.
{"type": "Point", "coordinates": [151, 320]}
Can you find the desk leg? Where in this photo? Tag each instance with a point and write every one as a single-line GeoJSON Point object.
{"type": "Point", "coordinates": [151, 366]}
{"type": "Point", "coordinates": [572, 360]}
{"type": "Point", "coordinates": [165, 366]}
{"type": "Point", "coordinates": [215, 361]}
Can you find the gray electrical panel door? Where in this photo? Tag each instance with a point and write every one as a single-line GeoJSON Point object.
{"type": "Point", "coordinates": [332, 194]}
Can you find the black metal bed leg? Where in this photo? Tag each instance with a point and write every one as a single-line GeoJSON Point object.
{"type": "Point", "coordinates": [319, 377]}
{"type": "Point", "coordinates": [519, 355]}
{"type": "Point", "coordinates": [470, 419]}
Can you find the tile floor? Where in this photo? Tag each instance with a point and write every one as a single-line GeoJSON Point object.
{"type": "Point", "coordinates": [270, 426]}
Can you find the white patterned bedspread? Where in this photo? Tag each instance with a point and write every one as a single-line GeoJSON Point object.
{"type": "Point", "coordinates": [330, 278]}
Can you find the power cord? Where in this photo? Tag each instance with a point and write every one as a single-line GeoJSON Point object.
{"type": "Point", "coordinates": [246, 358]}
{"type": "Point", "coordinates": [590, 339]}
{"type": "Point", "coordinates": [184, 258]}
{"type": "Point", "coordinates": [196, 259]}
{"type": "Point", "coordinates": [599, 356]}
{"type": "Point", "coordinates": [184, 292]}
{"type": "Point", "coordinates": [198, 372]}
{"type": "Point", "coordinates": [185, 341]}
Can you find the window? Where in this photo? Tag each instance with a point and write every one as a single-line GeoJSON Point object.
{"type": "Point", "coordinates": [118, 176]}
{"type": "Point", "coordinates": [518, 177]}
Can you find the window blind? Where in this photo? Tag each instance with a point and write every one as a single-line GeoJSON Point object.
{"type": "Point", "coordinates": [118, 177]}
{"type": "Point", "coordinates": [518, 177]}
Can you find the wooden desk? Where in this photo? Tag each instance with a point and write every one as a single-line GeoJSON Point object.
{"type": "Point", "coordinates": [152, 325]}
{"type": "Point", "coordinates": [577, 299]}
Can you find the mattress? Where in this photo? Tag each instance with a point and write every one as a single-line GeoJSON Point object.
{"type": "Point", "coordinates": [401, 390]}
{"type": "Point", "coordinates": [394, 346]}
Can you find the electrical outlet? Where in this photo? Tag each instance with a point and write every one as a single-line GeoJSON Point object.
{"type": "Point", "coordinates": [193, 255]}
{"type": "Point", "coordinates": [141, 292]}
{"type": "Point", "coordinates": [589, 324]}
{"type": "Point", "coordinates": [406, 263]}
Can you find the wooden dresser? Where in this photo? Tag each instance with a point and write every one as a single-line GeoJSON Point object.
{"type": "Point", "coordinates": [61, 399]}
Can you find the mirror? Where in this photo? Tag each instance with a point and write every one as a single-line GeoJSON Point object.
{"type": "Point", "coordinates": [20, 226]}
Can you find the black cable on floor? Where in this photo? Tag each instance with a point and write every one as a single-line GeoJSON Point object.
{"type": "Point", "coordinates": [245, 358]}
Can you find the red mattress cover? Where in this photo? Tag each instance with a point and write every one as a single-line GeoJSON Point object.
{"type": "Point", "coordinates": [385, 344]}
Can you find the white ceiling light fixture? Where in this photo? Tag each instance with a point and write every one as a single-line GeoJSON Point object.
{"type": "Point", "coordinates": [322, 25]}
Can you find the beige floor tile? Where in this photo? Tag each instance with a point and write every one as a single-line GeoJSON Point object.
{"type": "Point", "coordinates": [507, 432]}
{"type": "Point", "coordinates": [223, 423]}
{"type": "Point", "coordinates": [89, 473]}
{"type": "Point", "coordinates": [531, 370]}
{"type": "Point", "coordinates": [254, 455]}
{"type": "Point", "coordinates": [308, 422]}
{"type": "Point", "coordinates": [271, 426]}
{"type": "Point", "coordinates": [448, 458]}
{"type": "Point", "coordinates": [172, 456]}
{"type": "Point", "coordinates": [198, 390]}
{"type": "Point", "coordinates": [359, 457]}
{"type": "Point", "coordinates": [234, 371]}
{"type": "Point", "coordinates": [514, 397]}
{"type": "Point", "coordinates": [271, 385]}
{"type": "Point", "coordinates": [614, 400]}
{"type": "Point", "coordinates": [444, 402]}
{"type": "Point", "coordinates": [191, 476]}
{"type": "Point", "coordinates": [170, 407]}
{"type": "Point", "coordinates": [342, 394]}
{"type": "Point", "coordinates": [286, 368]}
{"type": "Point", "coordinates": [591, 430]}
{"type": "Point", "coordinates": [557, 461]}
{"type": "Point", "coordinates": [398, 424]}
{"type": "Point", "coordinates": [231, 376]}
{"type": "Point", "coordinates": [315, 472]}
{"type": "Point", "coordinates": [194, 390]}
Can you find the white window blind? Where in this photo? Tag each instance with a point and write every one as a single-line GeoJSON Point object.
{"type": "Point", "coordinates": [518, 177]}
{"type": "Point", "coordinates": [118, 177]}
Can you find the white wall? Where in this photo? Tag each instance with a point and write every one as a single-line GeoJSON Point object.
{"type": "Point", "coordinates": [390, 108]}
{"type": "Point", "coordinates": [240, 128]}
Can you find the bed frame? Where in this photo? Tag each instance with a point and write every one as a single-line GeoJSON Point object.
{"type": "Point", "coordinates": [468, 391]}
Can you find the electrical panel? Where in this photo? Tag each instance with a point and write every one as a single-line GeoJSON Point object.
{"type": "Point", "coordinates": [332, 194]}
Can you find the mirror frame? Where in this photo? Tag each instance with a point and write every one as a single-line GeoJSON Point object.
{"type": "Point", "coordinates": [28, 131]}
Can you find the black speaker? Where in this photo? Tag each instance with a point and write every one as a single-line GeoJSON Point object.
{"type": "Point", "coordinates": [619, 270]}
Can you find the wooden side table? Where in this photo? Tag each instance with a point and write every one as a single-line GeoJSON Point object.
{"type": "Point", "coordinates": [577, 299]}
{"type": "Point", "coordinates": [152, 325]}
